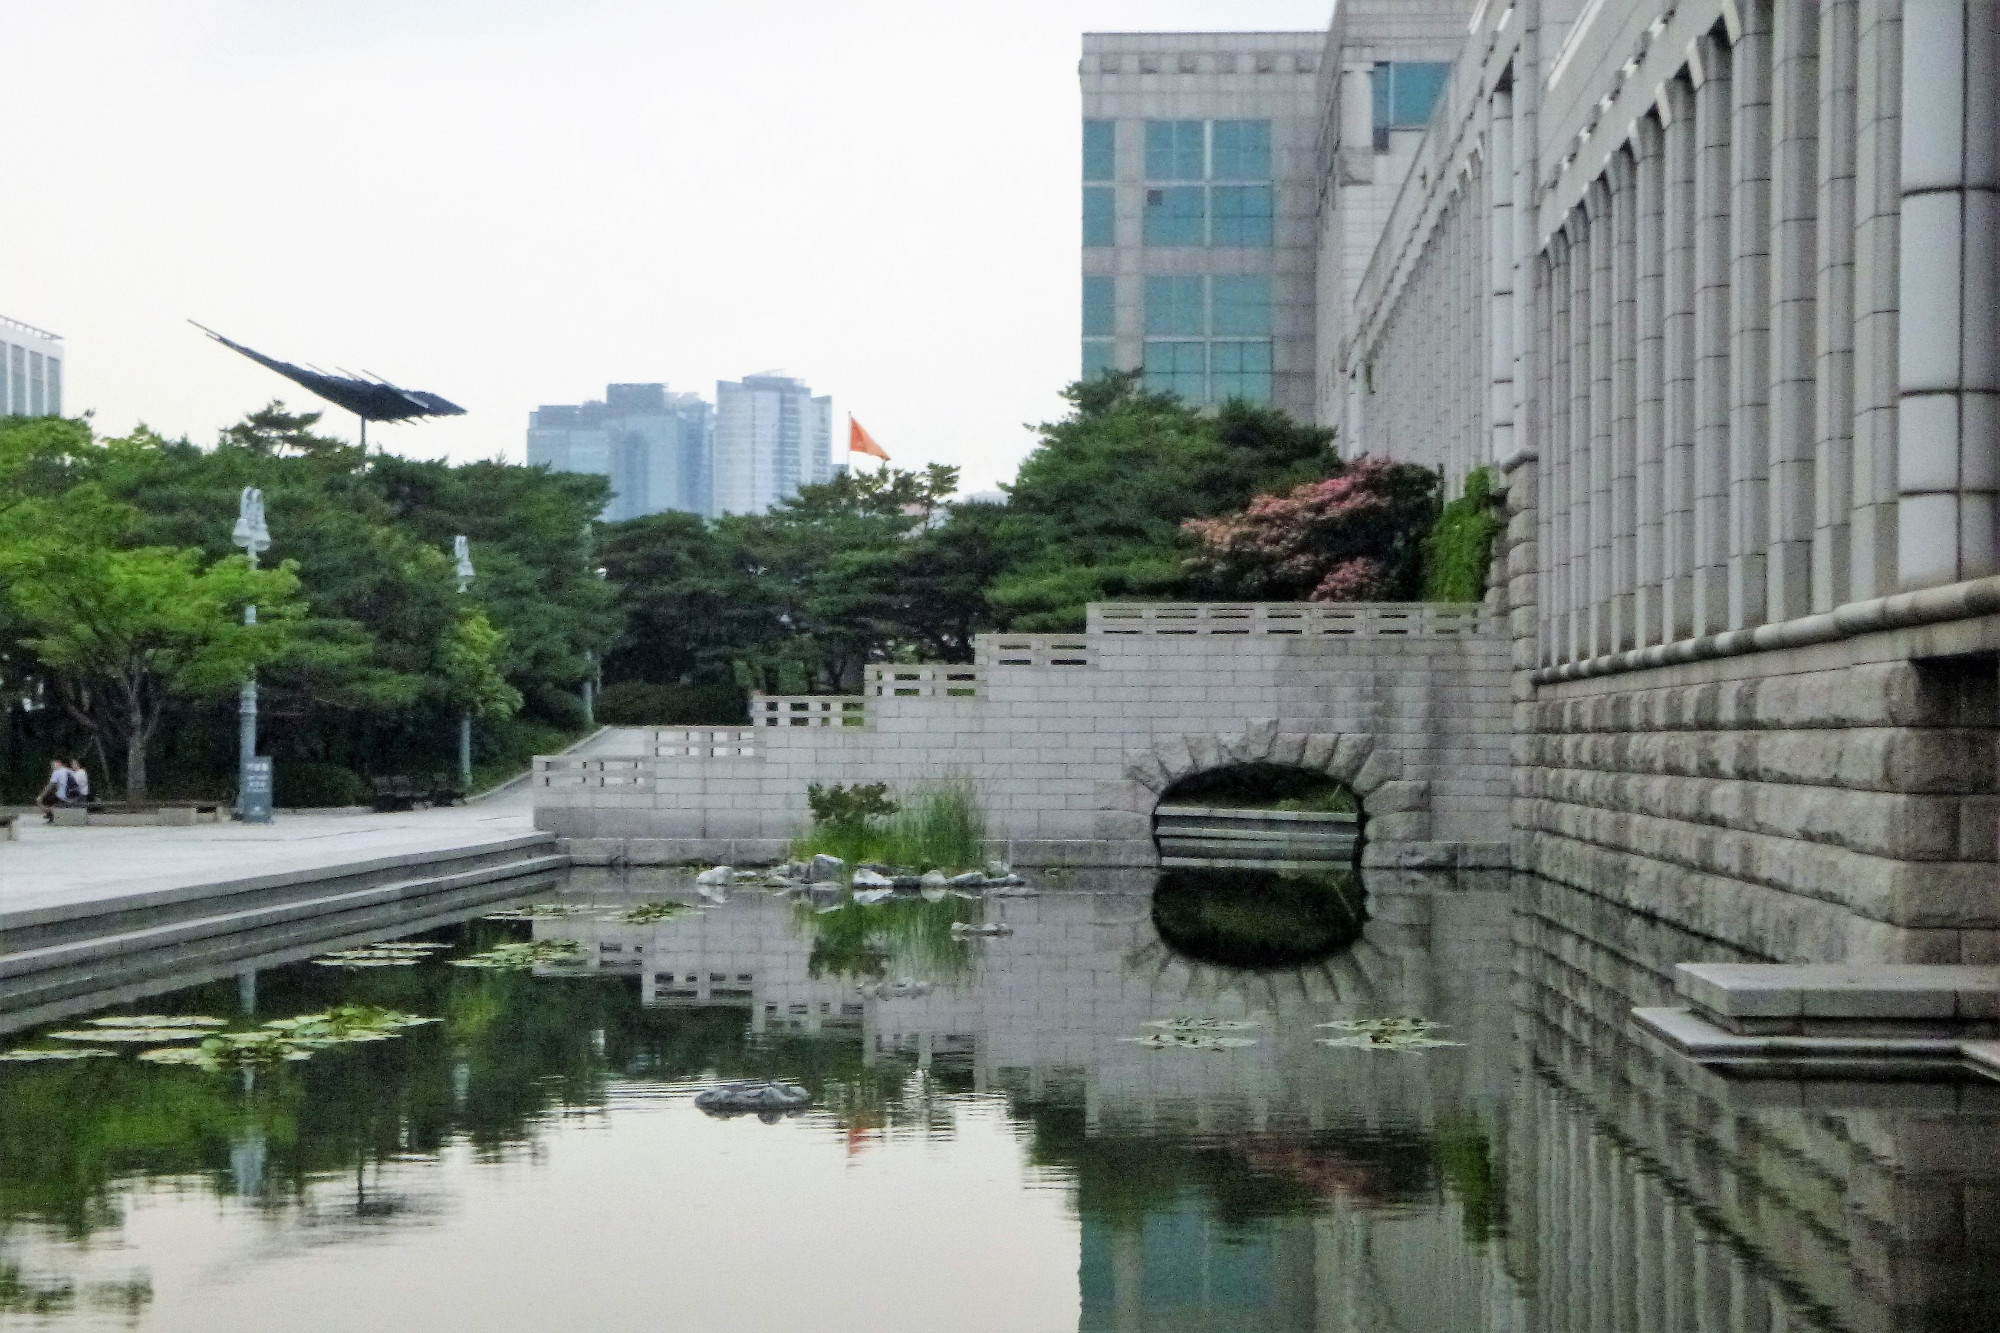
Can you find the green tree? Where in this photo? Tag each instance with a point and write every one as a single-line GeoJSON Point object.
{"type": "Point", "coordinates": [125, 630]}
{"type": "Point", "coordinates": [471, 669]}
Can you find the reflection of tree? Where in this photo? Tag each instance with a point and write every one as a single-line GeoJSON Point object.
{"type": "Point", "coordinates": [45, 1297]}
{"type": "Point", "coordinates": [900, 937]}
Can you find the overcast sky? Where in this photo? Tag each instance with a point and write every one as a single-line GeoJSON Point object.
{"type": "Point", "coordinates": [513, 202]}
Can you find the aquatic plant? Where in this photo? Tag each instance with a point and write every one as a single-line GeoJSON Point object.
{"type": "Point", "coordinates": [1385, 1034]}
{"type": "Point", "coordinates": [387, 954]}
{"type": "Point", "coordinates": [296, 1038]}
{"type": "Point", "coordinates": [640, 914]}
{"type": "Point", "coordinates": [1202, 1024]}
{"type": "Point", "coordinates": [26, 1054]}
{"type": "Point", "coordinates": [157, 1021]}
{"type": "Point", "coordinates": [1189, 1041]}
{"type": "Point", "coordinates": [940, 826]}
{"type": "Point", "coordinates": [523, 955]}
{"type": "Point", "coordinates": [646, 914]}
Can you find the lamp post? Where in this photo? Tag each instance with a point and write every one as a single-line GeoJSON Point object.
{"type": "Point", "coordinates": [461, 550]}
{"type": "Point", "coordinates": [253, 776]}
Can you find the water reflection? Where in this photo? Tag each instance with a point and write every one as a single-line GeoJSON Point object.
{"type": "Point", "coordinates": [1259, 919]}
{"type": "Point", "coordinates": [989, 1147]}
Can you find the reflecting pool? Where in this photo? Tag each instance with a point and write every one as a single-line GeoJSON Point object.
{"type": "Point", "coordinates": [1285, 1105]}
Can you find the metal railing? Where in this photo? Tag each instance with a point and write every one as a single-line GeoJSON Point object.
{"type": "Point", "coordinates": [1303, 619]}
{"type": "Point", "coordinates": [808, 710]}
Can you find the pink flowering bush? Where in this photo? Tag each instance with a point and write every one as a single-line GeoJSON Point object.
{"type": "Point", "coordinates": [1355, 537]}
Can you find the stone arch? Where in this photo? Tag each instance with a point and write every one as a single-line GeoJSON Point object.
{"type": "Point", "coordinates": [1396, 809]}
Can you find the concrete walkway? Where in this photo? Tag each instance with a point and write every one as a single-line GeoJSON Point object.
{"type": "Point", "coordinates": [48, 867]}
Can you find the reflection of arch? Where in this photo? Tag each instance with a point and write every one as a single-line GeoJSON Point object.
{"type": "Point", "coordinates": [1397, 809]}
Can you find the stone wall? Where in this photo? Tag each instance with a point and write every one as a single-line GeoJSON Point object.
{"type": "Point", "coordinates": [1825, 803]}
{"type": "Point", "coordinates": [1070, 750]}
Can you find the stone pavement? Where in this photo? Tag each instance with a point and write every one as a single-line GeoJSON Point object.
{"type": "Point", "coordinates": [47, 867]}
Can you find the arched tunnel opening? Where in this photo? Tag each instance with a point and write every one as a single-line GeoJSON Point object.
{"type": "Point", "coordinates": [1258, 816]}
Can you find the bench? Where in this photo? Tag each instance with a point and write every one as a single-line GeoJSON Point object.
{"type": "Point", "coordinates": [398, 792]}
{"type": "Point", "coordinates": [7, 833]}
{"type": "Point", "coordinates": [108, 814]}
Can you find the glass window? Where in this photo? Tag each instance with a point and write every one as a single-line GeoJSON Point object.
{"type": "Point", "coordinates": [1177, 215]}
{"type": "Point", "coordinates": [1178, 367]}
{"type": "Point", "coordinates": [1242, 307]}
{"type": "Point", "coordinates": [1174, 307]}
{"type": "Point", "coordinates": [1099, 227]}
{"type": "Point", "coordinates": [1242, 150]}
{"type": "Point", "coordinates": [1174, 150]}
{"type": "Point", "coordinates": [1242, 215]}
{"type": "Point", "coordinates": [1241, 370]}
{"type": "Point", "coordinates": [1100, 317]}
{"type": "Point", "coordinates": [1099, 150]}
{"type": "Point", "coordinates": [1404, 94]}
{"type": "Point", "coordinates": [1097, 357]}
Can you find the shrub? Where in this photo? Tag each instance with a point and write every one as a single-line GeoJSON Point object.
{"type": "Point", "coordinates": [849, 805]}
{"type": "Point", "coordinates": [303, 784]}
{"type": "Point", "coordinates": [941, 826]}
{"type": "Point", "coordinates": [1458, 551]}
{"type": "Point", "coordinates": [1353, 537]}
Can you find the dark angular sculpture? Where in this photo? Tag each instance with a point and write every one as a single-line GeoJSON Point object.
{"type": "Point", "coordinates": [371, 400]}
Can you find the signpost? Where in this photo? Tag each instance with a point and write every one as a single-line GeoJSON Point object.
{"type": "Point", "coordinates": [256, 789]}
{"type": "Point", "coordinates": [461, 549]}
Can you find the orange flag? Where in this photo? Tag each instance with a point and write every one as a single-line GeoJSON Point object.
{"type": "Point", "coordinates": [859, 441]}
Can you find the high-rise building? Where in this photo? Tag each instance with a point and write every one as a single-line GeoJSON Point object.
{"type": "Point", "coordinates": [1198, 212]}
{"type": "Point", "coordinates": [1235, 186]}
{"type": "Point", "coordinates": [31, 366]}
{"type": "Point", "coordinates": [771, 437]}
{"type": "Point", "coordinates": [656, 447]}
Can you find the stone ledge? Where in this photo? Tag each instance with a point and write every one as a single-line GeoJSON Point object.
{"type": "Point", "coordinates": [1738, 995]}
{"type": "Point", "coordinates": [1803, 1056]}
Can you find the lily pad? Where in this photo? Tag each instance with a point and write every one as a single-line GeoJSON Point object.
{"type": "Point", "coordinates": [646, 914]}
{"type": "Point", "coordinates": [1194, 1041]}
{"type": "Point", "coordinates": [26, 1054]}
{"type": "Point", "coordinates": [1387, 1041]}
{"type": "Point", "coordinates": [134, 1036]}
{"type": "Point", "coordinates": [134, 1022]}
{"type": "Point", "coordinates": [523, 955]}
{"type": "Point", "coordinates": [1202, 1024]}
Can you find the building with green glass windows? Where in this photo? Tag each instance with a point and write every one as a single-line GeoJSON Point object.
{"type": "Point", "coordinates": [1234, 188]}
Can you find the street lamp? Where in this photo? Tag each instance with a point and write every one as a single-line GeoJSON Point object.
{"type": "Point", "coordinates": [253, 775]}
{"type": "Point", "coordinates": [461, 549]}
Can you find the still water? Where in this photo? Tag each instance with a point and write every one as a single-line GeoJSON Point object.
{"type": "Point", "coordinates": [995, 1140]}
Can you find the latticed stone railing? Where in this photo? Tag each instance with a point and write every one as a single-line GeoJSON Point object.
{"type": "Point", "coordinates": [808, 710]}
{"type": "Point", "coordinates": [1303, 619]}
{"type": "Point", "coordinates": [1032, 650]}
{"type": "Point", "coordinates": [924, 680]}
{"type": "Point", "coordinates": [622, 776]}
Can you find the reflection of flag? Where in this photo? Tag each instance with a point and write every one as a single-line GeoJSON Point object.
{"type": "Point", "coordinates": [859, 441]}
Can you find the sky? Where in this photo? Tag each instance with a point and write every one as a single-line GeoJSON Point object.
{"type": "Point", "coordinates": [515, 202]}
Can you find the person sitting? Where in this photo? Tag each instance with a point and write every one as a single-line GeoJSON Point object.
{"type": "Point", "coordinates": [79, 783]}
{"type": "Point", "coordinates": [56, 791]}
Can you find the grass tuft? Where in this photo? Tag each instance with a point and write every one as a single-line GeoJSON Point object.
{"type": "Point", "coordinates": [939, 826]}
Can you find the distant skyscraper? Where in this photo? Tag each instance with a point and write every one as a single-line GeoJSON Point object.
{"type": "Point", "coordinates": [655, 446]}
{"type": "Point", "coordinates": [31, 365]}
{"type": "Point", "coordinates": [771, 437]}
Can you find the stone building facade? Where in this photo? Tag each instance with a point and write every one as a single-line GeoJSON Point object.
{"type": "Point", "coordinates": [1717, 282]}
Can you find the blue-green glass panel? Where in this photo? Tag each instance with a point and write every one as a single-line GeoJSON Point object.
{"type": "Point", "coordinates": [1174, 150]}
{"type": "Point", "coordinates": [1380, 97]}
{"type": "Point", "coordinates": [1099, 216]}
{"type": "Point", "coordinates": [1416, 88]}
{"type": "Point", "coordinates": [1241, 370]}
{"type": "Point", "coordinates": [1100, 154]}
{"type": "Point", "coordinates": [1174, 308]}
{"type": "Point", "coordinates": [1242, 150]}
{"type": "Point", "coordinates": [1177, 215]}
{"type": "Point", "coordinates": [1178, 367]}
{"type": "Point", "coordinates": [1242, 306]}
{"type": "Point", "coordinates": [1242, 215]}
{"type": "Point", "coordinates": [1100, 313]}
{"type": "Point", "coordinates": [1097, 357]}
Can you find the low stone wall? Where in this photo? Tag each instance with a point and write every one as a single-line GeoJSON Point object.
{"type": "Point", "coordinates": [1819, 804]}
{"type": "Point", "coordinates": [1070, 741]}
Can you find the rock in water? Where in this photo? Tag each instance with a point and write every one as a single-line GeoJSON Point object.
{"type": "Point", "coordinates": [971, 879]}
{"type": "Point", "coordinates": [865, 878]}
{"type": "Point", "coordinates": [753, 1097]}
{"type": "Point", "coordinates": [824, 868]}
{"type": "Point", "coordinates": [869, 897]}
{"type": "Point", "coordinates": [716, 875]}
{"type": "Point", "coordinates": [998, 870]}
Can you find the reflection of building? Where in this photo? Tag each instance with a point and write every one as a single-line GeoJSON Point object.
{"type": "Point", "coordinates": [655, 446]}
{"type": "Point", "coordinates": [771, 437]}
{"type": "Point", "coordinates": [31, 370]}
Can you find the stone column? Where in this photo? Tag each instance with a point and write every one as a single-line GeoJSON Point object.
{"type": "Point", "coordinates": [1624, 400]}
{"type": "Point", "coordinates": [1597, 204]}
{"type": "Point", "coordinates": [1679, 144]}
{"type": "Point", "coordinates": [1795, 205]}
{"type": "Point", "coordinates": [1557, 507]}
{"type": "Point", "coordinates": [1878, 109]}
{"type": "Point", "coordinates": [1710, 63]}
{"type": "Point", "coordinates": [1750, 312]}
{"type": "Point", "coordinates": [1649, 415]}
{"type": "Point", "coordinates": [1580, 249]}
{"type": "Point", "coordinates": [1833, 312]}
{"type": "Point", "coordinates": [1948, 420]}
